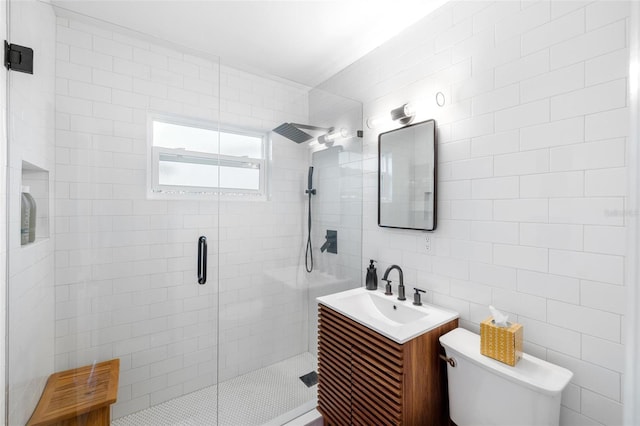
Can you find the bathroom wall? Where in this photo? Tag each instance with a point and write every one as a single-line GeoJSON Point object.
{"type": "Point", "coordinates": [532, 188]}
{"type": "Point", "coordinates": [125, 266]}
{"type": "Point", "coordinates": [31, 134]}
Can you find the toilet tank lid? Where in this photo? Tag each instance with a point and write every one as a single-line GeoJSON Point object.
{"type": "Point", "coordinates": [530, 371]}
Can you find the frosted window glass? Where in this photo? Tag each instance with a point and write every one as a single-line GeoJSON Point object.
{"type": "Point", "coordinates": [188, 174]}
{"type": "Point", "coordinates": [236, 178]}
{"type": "Point", "coordinates": [197, 139]}
{"type": "Point", "coordinates": [177, 173]}
{"type": "Point", "coordinates": [196, 155]}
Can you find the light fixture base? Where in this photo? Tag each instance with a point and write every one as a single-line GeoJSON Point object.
{"type": "Point", "coordinates": [402, 114]}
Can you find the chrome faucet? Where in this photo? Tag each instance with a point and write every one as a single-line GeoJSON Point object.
{"type": "Point", "coordinates": [400, 286]}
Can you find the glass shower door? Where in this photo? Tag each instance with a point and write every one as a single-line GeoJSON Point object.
{"type": "Point", "coordinates": [262, 332]}
{"type": "Point", "coordinates": [267, 326]}
{"type": "Point", "coordinates": [113, 269]}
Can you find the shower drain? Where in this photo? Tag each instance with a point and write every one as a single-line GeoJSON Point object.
{"type": "Point", "coordinates": [310, 379]}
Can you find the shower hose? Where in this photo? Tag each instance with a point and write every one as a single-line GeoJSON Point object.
{"type": "Point", "coordinates": [308, 255]}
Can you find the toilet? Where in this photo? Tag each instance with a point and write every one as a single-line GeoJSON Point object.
{"type": "Point", "coordinates": [483, 391]}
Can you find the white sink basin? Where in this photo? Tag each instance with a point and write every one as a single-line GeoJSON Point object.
{"type": "Point", "coordinates": [398, 320]}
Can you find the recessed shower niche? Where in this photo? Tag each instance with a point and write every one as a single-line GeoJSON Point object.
{"type": "Point", "coordinates": [35, 183]}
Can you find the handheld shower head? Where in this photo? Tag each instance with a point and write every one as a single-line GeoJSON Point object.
{"type": "Point", "coordinates": [310, 189]}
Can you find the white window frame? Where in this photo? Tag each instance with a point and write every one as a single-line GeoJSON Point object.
{"type": "Point", "coordinates": [155, 190]}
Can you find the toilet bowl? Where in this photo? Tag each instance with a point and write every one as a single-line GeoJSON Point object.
{"type": "Point", "coordinates": [483, 391]}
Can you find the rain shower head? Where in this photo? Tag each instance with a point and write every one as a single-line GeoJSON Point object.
{"type": "Point", "coordinates": [292, 131]}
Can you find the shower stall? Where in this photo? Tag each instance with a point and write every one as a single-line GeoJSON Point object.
{"type": "Point", "coordinates": [134, 149]}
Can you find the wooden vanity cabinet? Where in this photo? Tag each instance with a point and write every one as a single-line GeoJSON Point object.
{"type": "Point", "coordinates": [367, 379]}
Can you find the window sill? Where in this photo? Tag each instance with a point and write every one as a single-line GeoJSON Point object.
{"type": "Point", "coordinates": [206, 196]}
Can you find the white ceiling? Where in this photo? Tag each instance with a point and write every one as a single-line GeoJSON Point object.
{"type": "Point", "coordinates": [300, 40]}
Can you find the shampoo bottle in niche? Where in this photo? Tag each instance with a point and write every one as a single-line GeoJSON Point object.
{"type": "Point", "coordinates": [372, 277]}
{"type": "Point", "coordinates": [25, 214]}
{"type": "Point", "coordinates": [27, 217]}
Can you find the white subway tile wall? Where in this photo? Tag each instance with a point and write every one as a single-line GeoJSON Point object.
{"type": "Point", "coordinates": [532, 164]}
{"type": "Point", "coordinates": [30, 126]}
{"type": "Point", "coordinates": [125, 266]}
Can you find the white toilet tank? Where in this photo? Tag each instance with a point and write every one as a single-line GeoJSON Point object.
{"type": "Point", "coordinates": [483, 391]}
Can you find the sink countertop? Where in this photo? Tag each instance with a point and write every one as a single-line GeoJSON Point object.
{"type": "Point", "coordinates": [398, 320]}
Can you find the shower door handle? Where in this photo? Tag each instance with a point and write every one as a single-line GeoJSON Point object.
{"type": "Point", "coordinates": [202, 260]}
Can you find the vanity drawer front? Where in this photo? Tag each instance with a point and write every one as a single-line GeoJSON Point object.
{"type": "Point", "coordinates": [368, 379]}
{"type": "Point", "coordinates": [359, 369]}
{"type": "Point", "coordinates": [391, 388]}
{"type": "Point", "coordinates": [385, 352]}
{"type": "Point", "coordinates": [334, 373]}
{"type": "Point", "coordinates": [376, 392]}
{"type": "Point", "coordinates": [364, 415]}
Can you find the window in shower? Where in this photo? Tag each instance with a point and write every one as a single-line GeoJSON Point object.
{"type": "Point", "coordinates": [190, 157]}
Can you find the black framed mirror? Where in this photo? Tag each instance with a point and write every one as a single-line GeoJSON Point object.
{"type": "Point", "coordinates": [407, 170]}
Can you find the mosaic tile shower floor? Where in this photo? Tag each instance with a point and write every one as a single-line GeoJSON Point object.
{"type": "Point", "coordinates": [252, 399]}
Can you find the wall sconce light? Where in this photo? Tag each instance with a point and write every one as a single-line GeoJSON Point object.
{"type": "Point", "coordinates": [403, 114]}
{"type": "Point", "coordinates": [332, 135]}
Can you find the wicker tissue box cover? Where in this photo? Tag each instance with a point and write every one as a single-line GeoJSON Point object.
{"type": "Point", "coordinates": [501, 343]}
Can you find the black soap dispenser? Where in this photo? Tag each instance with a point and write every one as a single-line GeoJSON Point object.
{"type": "Point", "coordinates": [372, 277]}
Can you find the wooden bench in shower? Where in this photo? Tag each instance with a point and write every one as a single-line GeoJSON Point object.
{"type": "Point", "coordinates": [81, 396]}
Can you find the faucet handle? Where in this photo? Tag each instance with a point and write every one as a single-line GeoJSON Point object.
{"type": "Point", "coordinates": [416, 296]}
{"type": "Point", "coordinates": [387, 287]}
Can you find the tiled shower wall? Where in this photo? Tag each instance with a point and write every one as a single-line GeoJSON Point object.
{"type": "Point", "coordinates": [532, 189]}
{"type": "Point", "coordinates": [337, 204]}
{"type": "Point", "coordinates": [125, 266]}
{"type": "Point", "coordinates": [30, 125]}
